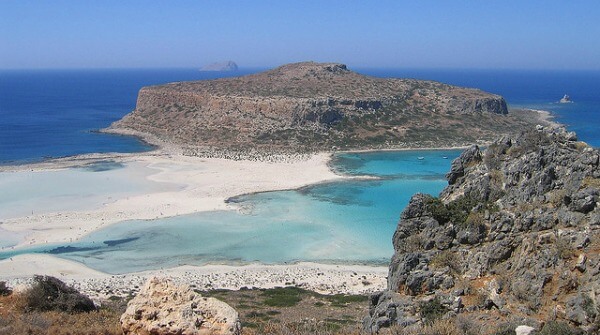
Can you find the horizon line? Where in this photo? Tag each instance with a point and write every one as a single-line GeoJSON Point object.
{"type": "Point", "coordinates": [264, 67]}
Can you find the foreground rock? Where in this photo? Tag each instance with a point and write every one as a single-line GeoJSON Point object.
{"type": "Point", "coordinates": [163, 308]}
{"type": "Point", "coordinates": [315, 106]}
{"type": "Point", "coordinates": [514, 236]}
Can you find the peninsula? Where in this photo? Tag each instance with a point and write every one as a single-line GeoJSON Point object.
{"type": "Point", "coordinates": [307, 107]}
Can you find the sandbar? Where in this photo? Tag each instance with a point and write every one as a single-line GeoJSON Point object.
{"type": "Point", "coordinates": [192, 184]}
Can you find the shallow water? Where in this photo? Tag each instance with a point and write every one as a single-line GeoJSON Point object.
{"type": "Point", "coordinates": [54, 113]}
{"type": "Point", "coordinates": [350, 221]}
{"type": "Point", "coordinates": [340, 222]}
{"type": "Point", "coordinates": [36, 192]}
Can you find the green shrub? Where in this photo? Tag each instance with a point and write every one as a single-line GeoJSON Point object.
{"type": "Point", "coordinates": [455, 211]}
{"type": "Point", "coordinates": [432, 310]}
{"type": "Point", "coordinates": [50, 294]}
{"type": "Point", "coordinates": [446, 258]}
{"type": "Point", "coordinates": [341, 300]}
{"type": "Point", "coordinates": [558, 328]}
{"type": "Point", "coordinates": [283, 296]}
{"type": "Point", "coordinates": [4, 289]}
{"type": "Point", "coordinates": [438, 210]}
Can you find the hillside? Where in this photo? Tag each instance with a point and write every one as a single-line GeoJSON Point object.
{"type": "Point", "coordinates": [316, 106]}
{"type": "Point", "coordinates": [513, 239]}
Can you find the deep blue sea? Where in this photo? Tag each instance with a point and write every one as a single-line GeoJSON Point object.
{"type": "Point", "coordinates": [536, 89]}
{"type": "Point", "coordinates": [56, 113]}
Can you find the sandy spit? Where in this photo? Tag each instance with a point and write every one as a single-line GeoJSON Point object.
{"type": "Point", "coordinates": [204, 185]}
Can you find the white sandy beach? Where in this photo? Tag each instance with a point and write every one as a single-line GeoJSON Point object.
{"type": "Point", "coordinates": [185, 185]}
{"type": "Point", "coordinates": [322, 278]}
{"type": "Point", "coordinates": [203, 185]}
{"type": "Point", "coordinates": [191, 185]}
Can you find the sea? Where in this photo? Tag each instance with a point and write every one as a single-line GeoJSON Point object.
{"type": "Point", "coordinates": [54, 113]}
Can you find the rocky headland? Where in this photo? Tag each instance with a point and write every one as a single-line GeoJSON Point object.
{"type": "Point", "coordinates": [305, 107]}
{"type": "Point", "coordinates": [514, 239]}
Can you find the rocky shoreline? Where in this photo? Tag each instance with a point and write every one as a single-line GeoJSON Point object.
{"type": "Point", "coordinates": [321, 278]}
{"type": "Point", "coordinates": [513, 238]}
{"type": "Point", "coordinates": [313, 107]}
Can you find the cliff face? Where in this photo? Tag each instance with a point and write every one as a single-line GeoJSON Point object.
{"type": "Point", "coordinates": [316, 106]}
{"type": "Point", "coordinates": [514, 236]}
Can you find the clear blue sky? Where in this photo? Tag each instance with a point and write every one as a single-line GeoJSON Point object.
{"type": "Point", "coordinates": [544, 34]}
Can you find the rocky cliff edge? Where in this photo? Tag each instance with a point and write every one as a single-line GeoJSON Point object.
{"type": "Point", "coordinates": [317, 106]}
{"type": "Point", "coordinates": [514, 237]}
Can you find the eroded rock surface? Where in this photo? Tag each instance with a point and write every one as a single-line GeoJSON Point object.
{"type": "Point", "coordinates": [316, 106]}
{"type": "Point", "coordinates": [515, 234]}
{"type": "Point", "coordinates": [163, 308]}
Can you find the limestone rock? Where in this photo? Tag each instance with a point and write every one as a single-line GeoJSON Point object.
{"type": "Point", "coordinates": [580, 265]}
{"type": "Point", "coordinates": [524, 330]}
{"type": "Point", "coordinates": [517, 230]}
{"type": "Point", "coordinates": [163, 308]}
{"type": "Point", "coordinates": [316, 106]}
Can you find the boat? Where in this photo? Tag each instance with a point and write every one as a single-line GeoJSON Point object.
{"type": "Point", "coordinates": [445, 157]}
{"type": "Point", "coordinates": [565, 100]}
{"type": "Point", "coordinates": [420, 158]}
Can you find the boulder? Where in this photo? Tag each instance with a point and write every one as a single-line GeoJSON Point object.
{"type": "Point", "coordinates": [468, 157]}
{"type": "Point", "coordinates": [164, 308]}
{"type": "Point", "coordinates": [524, 330]}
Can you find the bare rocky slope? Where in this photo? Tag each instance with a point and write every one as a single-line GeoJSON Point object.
{"type": "Point", "coordinates": [514, 237]}
{"type": "Point", "coordinates": [316, 106]}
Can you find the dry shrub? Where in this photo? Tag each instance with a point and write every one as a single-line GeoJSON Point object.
{"type": "Point", "coordinates": [29, 323]}
{"type": "Point", "coordinates": [564, 249]}
{"type": "Point", "coordinates": [50, 294]}
{"type": "Point", "coordinates": [15, 319]}
{"type": "Point", "coordinates": [301, 328]}
{"type": "Point", "coordinates": [590, 182]}
{"type": "Point", "coordinates": [448, 259]}
{"type": "Point", "coordinates": [4, 289]}
{"type": "Point", "coordinates": [412, 243]}
{"type": "Point", "coordinates": [557, 197]}
{"type": "Point", "coordinates": [439, 327]}
{"type": "Point", "coordinates": [102, 322]}
{"type": "Point", "coordinates": [57, 323]}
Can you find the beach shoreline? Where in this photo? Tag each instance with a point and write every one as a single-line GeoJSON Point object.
{"type": "Point", "coordinates": [206, 185]}
{"type": "Point", "coordinates": [322, 278]}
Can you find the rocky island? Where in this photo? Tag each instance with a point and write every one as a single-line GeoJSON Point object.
{"type": "Point", "coordinates": [309, 106]}
{"type": "Point", "coordinates": [512, 240]}
{"type": "Point", "coordinates": [220, 66]}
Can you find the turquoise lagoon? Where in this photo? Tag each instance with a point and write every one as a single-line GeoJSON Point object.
{"type": "Point", "coordinates": [82, 188]}
{"type": "Point", "coordinates": [350, 221]}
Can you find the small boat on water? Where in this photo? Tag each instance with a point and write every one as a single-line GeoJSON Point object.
{"type": "Point", "coordinates": [566, 99]}
{"type": "Point", "coordinates": [445, 157]}
{"type": "Point", "coordinates": [420, 158]}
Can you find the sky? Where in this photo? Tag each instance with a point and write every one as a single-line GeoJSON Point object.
{"type": "Point", "coordinates": [491, 34]}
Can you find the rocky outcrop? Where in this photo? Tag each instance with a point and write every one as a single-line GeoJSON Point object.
{"type": "Point", "coordinates": [316, 106]}
{"type": "Point", "coordinates": [163, 308]}
{"type": "Point", "coordinates": [516, 233]}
